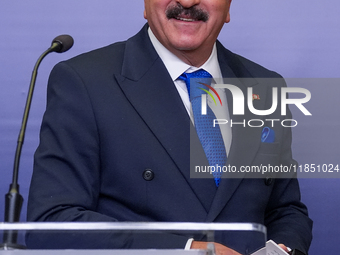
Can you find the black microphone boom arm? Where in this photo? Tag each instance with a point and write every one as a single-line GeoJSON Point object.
{"type": "Point", "coordinates": [13, 199]}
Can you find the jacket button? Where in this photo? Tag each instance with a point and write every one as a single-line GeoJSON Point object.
{"type": "Point", "coordinates": [268, 181]}
{"type": "Point", "coordinates": [148, 175]}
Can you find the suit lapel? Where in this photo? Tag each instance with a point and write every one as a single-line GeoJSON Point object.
{"type": "Point", "coordinates": [245, 140]}
{"type": "Point", "coordinates": [150, 89]}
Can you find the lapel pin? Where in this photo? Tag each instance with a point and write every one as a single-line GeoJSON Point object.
{"type": "Point", "coordinates": [256, 97]}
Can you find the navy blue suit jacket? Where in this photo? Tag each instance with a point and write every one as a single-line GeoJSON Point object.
{"type": "Point", "coordinates": [114, 113]}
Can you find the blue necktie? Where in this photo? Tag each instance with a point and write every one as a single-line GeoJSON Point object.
{"type": "Point", "coordinates": [209, 136]}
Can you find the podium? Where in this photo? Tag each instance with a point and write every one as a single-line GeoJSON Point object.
{"type": "Point", "coordinates": [104, 252]}
{"type": "Point", "coordinates": [247, 234]}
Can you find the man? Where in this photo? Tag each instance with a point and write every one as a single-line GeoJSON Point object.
{"type": "Point", "coordinates": [115, 139]}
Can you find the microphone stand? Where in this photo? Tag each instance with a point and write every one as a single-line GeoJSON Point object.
{"type": "Point", "coordinates": [13, 199]}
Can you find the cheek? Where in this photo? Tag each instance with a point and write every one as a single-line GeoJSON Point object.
{"type": "Point", "coordinates": [221, 12]}
{"type": "Point", "coordinates": [154, 12]}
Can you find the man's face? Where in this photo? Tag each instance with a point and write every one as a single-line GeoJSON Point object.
{"type": "Point", "coordinates": [187, 25]}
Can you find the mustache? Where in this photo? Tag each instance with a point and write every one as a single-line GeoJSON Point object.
{"type": "Point", "coordinates": [192, 12]}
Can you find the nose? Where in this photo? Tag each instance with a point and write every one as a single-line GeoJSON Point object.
{"type": "Point", "coordinates": [188, 3]}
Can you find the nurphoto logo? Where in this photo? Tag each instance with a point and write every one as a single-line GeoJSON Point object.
{"type": "Point", "coordinates": [239, 104]}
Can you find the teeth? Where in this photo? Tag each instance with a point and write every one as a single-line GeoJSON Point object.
{"type": "Point", "coordinates": [183, 19]}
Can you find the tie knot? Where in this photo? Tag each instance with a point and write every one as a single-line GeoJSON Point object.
{"type": "Point", "coordinates": [199, 82]}
{"type": "Point", "coordinates": [201, 73]}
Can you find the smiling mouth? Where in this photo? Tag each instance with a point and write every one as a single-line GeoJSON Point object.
{"type": "Point", "coordinates": [186, 19]}
{"type": "Point", "coordinates": [191, 14]}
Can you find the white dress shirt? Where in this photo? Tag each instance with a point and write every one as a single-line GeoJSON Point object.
{"type": "Point", "coordinates": [176, 67]}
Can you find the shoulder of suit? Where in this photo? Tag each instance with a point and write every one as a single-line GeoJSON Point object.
{"type": "Point", "coordinates": [112, 57]}
{"type": "Point", "coordinates": [105, 58]}
{"type": "Point", "coordinates": [256, 69]}
{"type": "Point", "coordinates": [238, 62]}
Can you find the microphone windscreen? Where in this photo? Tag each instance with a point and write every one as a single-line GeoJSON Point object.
{"type": "Point", "coordinates": [65, 42]}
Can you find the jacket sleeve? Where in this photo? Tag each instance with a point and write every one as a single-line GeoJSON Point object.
{"type": "Point", "coordinates": [286, 216]}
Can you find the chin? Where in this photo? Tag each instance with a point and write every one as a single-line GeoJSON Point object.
{"type": "Point", "coordinates": [186, 46]}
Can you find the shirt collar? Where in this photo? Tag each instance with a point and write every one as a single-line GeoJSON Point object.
{"type": "Point", "coordinates": [176, 67]}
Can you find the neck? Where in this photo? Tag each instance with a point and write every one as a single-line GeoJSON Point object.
{"type": "Point", "coordinates": [194, 58]}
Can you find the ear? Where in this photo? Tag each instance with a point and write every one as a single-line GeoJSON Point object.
{"type": "Point", "coordinates": [227, 19]}
{"type": "Point", "coordinates": [144, 13]}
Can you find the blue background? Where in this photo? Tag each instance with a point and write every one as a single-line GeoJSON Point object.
{"type": "Point", "coordinates": [297, 39]}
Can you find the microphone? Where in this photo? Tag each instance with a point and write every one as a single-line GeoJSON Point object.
{"type": "Point", "coordinates": [62, 43]}
{"type": "Point", "coordinates": [13, 199]}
